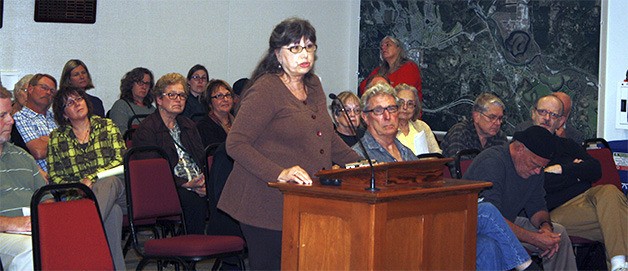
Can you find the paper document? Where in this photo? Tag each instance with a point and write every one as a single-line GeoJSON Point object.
{"type": "Point", "coordinates": [111, 172]}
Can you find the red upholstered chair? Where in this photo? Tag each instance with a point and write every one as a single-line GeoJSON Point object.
{"type": "Point", "coordinates": [69, 235]}
{"type": "Point", "coordinates": [603, 153]}
{"type": "Point", "coordinates": [128, 137]}
{"type": "Point", "coordinates": [138, 117]}
{"type": "Point", "coordinates": [151, 194]}
{"type": "Point", "coordinates": [463, 160]}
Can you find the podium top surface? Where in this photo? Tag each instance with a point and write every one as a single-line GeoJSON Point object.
{"type": "Point", "coordinates": [358, 192]}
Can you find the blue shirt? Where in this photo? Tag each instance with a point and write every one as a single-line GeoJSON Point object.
{"type": "Point", "coordinates": [33, 125]}
{"type": "Point", "coordinates": [378, 153]}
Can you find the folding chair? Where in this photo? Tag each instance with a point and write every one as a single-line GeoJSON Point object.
{"type": "Point", "coordinates": [463, 160]}
{"type": "Point", "coordinates": [69, 235]}
{"type": "Point", "coordinates": [610, 175]}
{"type": "Point", "coordinates": [139, 117]}
{"type": "Point", "coordinates": [151, 193]}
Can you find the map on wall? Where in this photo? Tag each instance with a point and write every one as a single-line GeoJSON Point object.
{"type": "Point", "coordinates": [517, 49]}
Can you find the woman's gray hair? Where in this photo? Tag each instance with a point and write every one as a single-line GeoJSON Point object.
{"type": "Point", "coordinates": [417, 109]}
{"type": "Point", "coordinates": [484, 100]}
{"type": "Point", "coordinates": [376, 90]}
{"type": "Point", "coordinates": [22, 84]}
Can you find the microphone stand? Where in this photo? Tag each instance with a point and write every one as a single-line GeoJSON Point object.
{"type": "Point", "coordinates": [372, 187]}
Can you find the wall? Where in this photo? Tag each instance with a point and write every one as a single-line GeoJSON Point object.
{"type": "Point", "coordinates": [228, 37]}
{"type": "Point", "coordinates": [613, 66]}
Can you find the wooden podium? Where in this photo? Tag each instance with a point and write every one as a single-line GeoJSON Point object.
{"type": "Point", "coordinates": [417, 225]}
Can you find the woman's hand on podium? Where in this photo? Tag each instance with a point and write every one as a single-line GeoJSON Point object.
{"type": "Point", "coordinates": [295, 174]}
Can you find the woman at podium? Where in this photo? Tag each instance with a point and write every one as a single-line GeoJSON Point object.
{"type": "Point", "coordinates": [282, 133]}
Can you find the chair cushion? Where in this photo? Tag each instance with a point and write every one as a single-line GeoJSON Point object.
{"type": "Point", "coordinates": [193, 245]}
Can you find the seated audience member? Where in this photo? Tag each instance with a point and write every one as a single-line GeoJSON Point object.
{"type": "Point", "coordinates": [395, 66]}
{"type": "Point", "coordinates": [238, 90]}
{"type": "Point", "coordinates": [135, 98]}
{"type": "Point", "coordinates": [598, 213]}
{"type": "Point", "coordinates": [35, 121]}
{"type": "Point", "coordinates": [517, 192]}
{"type": "Point", "coordinates": [380, 113]}
{"type": "Point", "coordinates": [565, 130]}
{"type": "Point", "coordinates": [76, 74]}
{"type": "Point", "coordinates": [20, 94]}
{"type": "Point", "coordinates": [177, 136]}
{"type": "Point", "coordinates": [218, 98]}
{"type": "Point", "coordinates": [196, 85]}
{"type": "Point", "coordinates": [19, 178]}
{"type": "Point", "coordinates": [482, 131]}
{"type": "Point", "coordinates": [341, 123]}
{"type": "Point", "coordinates": [413, 132]}
{"type": "Point", "coordinates": [82, 146]}
{"type": "Point", "coordinates": [497, 246]}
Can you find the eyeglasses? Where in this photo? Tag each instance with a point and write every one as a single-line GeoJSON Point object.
{"type": "Point", "coordinates": [493, 118]}
{"type": "Point", "coordinates": [46, 88]}
{"type": "Point", "coordinates": [380, 110]}
{"type": "Point", "coordinates": [221, 96]}
{"type": "Point", "coordinates": [199, 78]}
{"type": "Point", "coordinates": [356, 111]}
{"type": "Point", "coordinates": [143, 83]}
{"type": "Point", "coordinates": [544, 113]}
{"type": "Point", "coordinates": [298, 48]}
{"type": "Point", "coordinates": [173, 96]}
{"type": "Point", "coordinates": [408, 103]}
{"type": "Point", "coordinates": [73, 101]}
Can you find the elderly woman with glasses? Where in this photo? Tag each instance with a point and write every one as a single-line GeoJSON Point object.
{"type": "Point", "coordinates": [82, 146]}
{"type": "Point", "coordinates": [413, 132]}
{"type": "Point", "coordinates": [216, 124]}
{"type": "Point", "coordinates": [282, 132]}
{"type": "Point", "coordinates": [177, 136]}
{"type": "Point", "coordinates": [19, 93]}
{"type": "Point", "coordinates": [342, 124]}
{"type": "Point", "coordinates": [197, 80]}
{"type": "Point", "coordinates": [135, 98]}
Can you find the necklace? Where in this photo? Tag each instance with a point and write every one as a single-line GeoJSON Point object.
{"type": "Point", "coordinates": [85, 137]}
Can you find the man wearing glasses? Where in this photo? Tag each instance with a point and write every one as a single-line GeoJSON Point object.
{"type": "Point", "coordinates": [381, 114]}
{"type": "Point", "coordinates": [598, 213]}
{"type": "Point", "coordinates": [35, 121]}
{"type": "Point", "coordinates": [482, 131]}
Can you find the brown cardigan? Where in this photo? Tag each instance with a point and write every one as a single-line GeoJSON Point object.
{"type": "Point", "coordinates": [274, 131]}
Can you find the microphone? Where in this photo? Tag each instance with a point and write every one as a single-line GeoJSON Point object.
{"type": "Point", "coordinates": [372, 187]}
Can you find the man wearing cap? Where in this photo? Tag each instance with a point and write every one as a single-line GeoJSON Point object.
{"type": "Point", "coordinates": [598, 213]}
{"type": "Point", "coordinates": [517, 191]}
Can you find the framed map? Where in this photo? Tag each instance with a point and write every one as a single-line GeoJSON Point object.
{"type": "Point", "coordinates": [517, 49]}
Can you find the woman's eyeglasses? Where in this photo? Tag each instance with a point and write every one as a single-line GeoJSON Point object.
{"type": "Point", "coordinates": [73, 101]}
{"type": "Point", "coordinates": [221, 96]}
{"type": "Point", "coordinates": [407, 103]}
{"type": "Point", "coordinates": [143, 83]}
{"type": "Point", "coordinates": [298, 48]}
{"type": "Point", "coordinates": [173, 96]}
